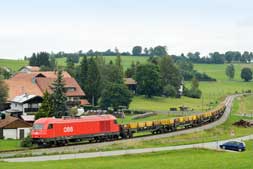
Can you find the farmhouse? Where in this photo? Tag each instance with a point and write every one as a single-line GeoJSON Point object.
{"type": "Point", "coordinates": [14, 128]}
{"type": "Point", "coordinates": [23, 104]}
{"type": "Point", "coordinates": [34, 84]}
{"type": "Point", "coordinates": [29, 69]}
{"type": "Point", "coordinates": [131, 84]}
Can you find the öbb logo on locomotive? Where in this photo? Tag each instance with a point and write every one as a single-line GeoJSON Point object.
{"type": "Point", "coordinates": [68, 129]}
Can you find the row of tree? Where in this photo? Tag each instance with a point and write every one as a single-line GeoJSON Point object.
{"type": "Point", "coordinates": [43, 60]}
{"type": "Point", "coordinates": [221, 58]}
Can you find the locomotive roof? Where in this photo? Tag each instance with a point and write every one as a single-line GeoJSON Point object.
{"type": "Point", "coordinates": [81, 119]}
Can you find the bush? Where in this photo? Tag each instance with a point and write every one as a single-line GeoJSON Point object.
{"type": "Point", "coordinates": [26, 142]}
{"type": "Point", "coordinates": [194, 93]}
{"type": "Point", "coordinates": [246, 74]}
{"type": "Point", "coordinates": [169, 90]}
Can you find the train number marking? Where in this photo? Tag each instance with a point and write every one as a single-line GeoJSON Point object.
{"type": "Point", "coordinates": [68, 129]}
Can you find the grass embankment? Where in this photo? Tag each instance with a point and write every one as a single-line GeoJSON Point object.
{"type": "Point", "coordinates": [14, 65]}
{"type": "Point", "coordinates": [181, 159]}
{"type": "Point", "coordinates": [9, 144]}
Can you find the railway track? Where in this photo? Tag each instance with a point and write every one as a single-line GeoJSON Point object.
{"type": "Point", "coordinates": [85, 146]}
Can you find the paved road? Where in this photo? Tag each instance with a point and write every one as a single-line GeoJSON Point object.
{"type": "Point", "coordinates": [209, 145]}
{"type": "Point", "coordinates": [78, 148]}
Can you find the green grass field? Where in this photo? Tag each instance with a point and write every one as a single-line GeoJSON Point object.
{"type": "Point", "coordinates": [126, 60]}
{"type": "Point", "coordinates": [211, 91]}
{"type": "Point", "coordinates": [9, 144]}
{"type": "Point", "coordinates": [14, 65]}
{"type": "Point", "coordinates": [181, 159]}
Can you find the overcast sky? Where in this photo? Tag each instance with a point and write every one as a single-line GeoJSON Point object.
{"type": "Point", "coordinates": [29, 26]}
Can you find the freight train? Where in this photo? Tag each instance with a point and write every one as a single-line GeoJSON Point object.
{"type": "Point", "coordinates": [61, 131]}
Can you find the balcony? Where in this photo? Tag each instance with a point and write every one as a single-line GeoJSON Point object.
{"type": "Point", "coordinates": [73, 103]}
{"type": "Point", "coordinates": [31, 109]}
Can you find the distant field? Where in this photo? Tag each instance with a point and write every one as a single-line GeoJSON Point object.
{"type": "Point", "coordinates": [126, 60]}
{"type": "Point", "coordinates": [211, 91]}
{"type": "Point", "coordinates": [14, 65]}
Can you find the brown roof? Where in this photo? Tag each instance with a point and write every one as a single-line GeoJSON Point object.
{"type": "Point", "coordinates": [13, 122]}
{"type": "Point", "coordinates": [35, 83]}
{"type": "Point", "coordinates": [84, 102]}
{"type": "Point", "coordinates": [129, 81]}
{"type": "Point", "coordinates": [46, 84]}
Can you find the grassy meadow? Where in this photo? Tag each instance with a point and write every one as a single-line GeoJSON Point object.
{"type": "Point", "coordinates": [180, 159]}
{"type": "Point", "coordinates": [9, 144]}
{"type": "Point", "coordinates": [126, 60]}
{"type": "Point", "coordinates": [14, 65]}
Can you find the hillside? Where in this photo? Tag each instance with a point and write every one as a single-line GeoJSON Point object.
{"type": "Point", "coordinates": [14, 65]}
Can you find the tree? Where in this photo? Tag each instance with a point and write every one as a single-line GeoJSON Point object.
{"type": "Point", "coordinates": [33, 60]}
{"type": "Point", "coordinates": [93, 82]}
{"type": "Point", "coordinates": [70, 67]}
{"type": "Point", "coordinates": [3, 93]}
{"type": "Point", "coordinates": [137, 50]}
{"type": "Point", "coordinates": [217, 58]}
{"type": "Point", "coordinates": [194, 92]}
{"type": "Point", "coordinates": [194, 57]}
{"type": "Point", "coordinates": [146, 51]}
{"type": "Point", "coordinates": [229, 56]}
{"type": "Point", "coordinates": [118, 64]}
{"type": "Point", "coordinates": [130, 72]}
{"type": "Point", "coordinates": [160, 51]}
{"type": "Point", "coordinates": [148, 80]}
{"type": "Point", "coordinates": [52, 63]}
{"type": "Point", "coordinates": [230, 71]}
{"type": "Point", "coordinates": [59, 98]}
{"type": "Point", "coordinates": [169, 91]}
{"type": "Point", "coordinates": [46, 108]}
{"type": "Point", "coordinates": [169, 73]}
{"type": "Point", "coordinates": [40, 59]}
{"type": "Point", "coordinates": [82, 75]}
{"type": "Point", "coordinates": [246, 74]}
{"type": "Point", "coordinates": [245, 57]}
{"type": "Point", "coordinates": [115, 95]}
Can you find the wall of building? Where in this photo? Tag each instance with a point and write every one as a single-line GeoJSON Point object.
{"type": "Point", "coordinates": [17, 106]}
{"type": "Point", "coordinates": [15, 133]}
{"type": "Point", "coordinates": [10, 133]}
{"type": "Point", "coordinates": [26, 130]}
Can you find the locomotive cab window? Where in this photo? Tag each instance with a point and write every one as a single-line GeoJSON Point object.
{"type": "Point", "coordinates": [50, 126]}
{"type": "Point", "coordinates": [38, 126]}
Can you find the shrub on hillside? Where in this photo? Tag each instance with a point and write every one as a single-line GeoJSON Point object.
{"type": "Point", "coordinates": [169, 91]}
{"type": "Point", "coordinates": [26, 142]}
{"type": "Point", "coordinates": [194, 93]}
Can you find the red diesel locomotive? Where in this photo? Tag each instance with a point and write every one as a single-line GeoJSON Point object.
{"type": "Point", "coordinates": [51, 131]}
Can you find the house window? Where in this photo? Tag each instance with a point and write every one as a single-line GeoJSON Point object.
{"type": "Point", "coordinates": [70, 89]}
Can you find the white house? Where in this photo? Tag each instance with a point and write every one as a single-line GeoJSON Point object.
{"type": "Point", "coordinates": [29, 69]}
{"type": "Point", "coordinates": [14, 128]}
{"type": "Point", "coordinates": [23, 104]}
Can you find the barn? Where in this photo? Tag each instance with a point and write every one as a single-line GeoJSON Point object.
{"type": "Point", "coordinates": [14, 128]}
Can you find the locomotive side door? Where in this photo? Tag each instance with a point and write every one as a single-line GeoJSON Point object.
{"type": "Point", "coordinates": [105, 126]}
